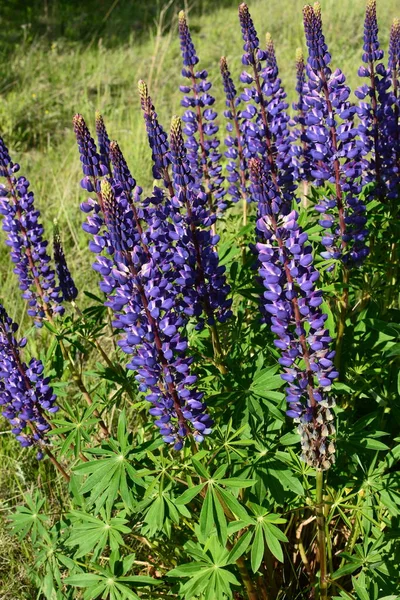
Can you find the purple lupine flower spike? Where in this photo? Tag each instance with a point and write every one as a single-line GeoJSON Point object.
{"type": "Point", "coordinates": [92, 167]}
{"type": "Point", "coordinates": [335, 150]}
{"type": "Point", "coordinates": [200, 127]}
{"type": "Point", "coordinates": [301, 151]}
{"type": "Point", "coordinates": [206, 286]}
{"type": "Point", "coordinates": [394, 73]}
{"type": "Point", "coordinates": [145, 306]}
{"type": "Point", "coordinates": [25, 238]}
{"type": "Point", "coordinates": [67, 285]}
{"type": "Point", "coordinates": [25, 394]}
{"type": "Point", "coordinates": [371, 110]}
{"type": "Point", "coordinates": [265, 118]}
{"type": "Point", "coordinates": [251, 42]}
{"type": "Point", "coordinates": [121, 173]}
{"type": "Point", "coordinates": [293, 305]}
{"type": "Point", "coordinates": [103, 141]}
{"type": "Point", "coordinates": [234, 141]}
{"type": "Point", "coordinates": [158, 139]}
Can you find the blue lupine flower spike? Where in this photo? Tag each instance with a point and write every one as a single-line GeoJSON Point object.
{"type": "Point", "coordinates": [103, 141]}
{"type": "Point", "coordinates": [25, 393]}
{"type": "Point", "coordinates": [265, 118]}
{"type": "Point", "coordinates": [66, 283]}
{"type": "Point", "coordinates": [25, 238]}
{"type": "Point", "coordinates": [158, 139]}
{"type": "Point", "coordinates": [293, 305]}
{"type": "Point", "coordinates": [301, 151]}
{"type": "Point", "coordinates": [208, 290]}
{"type": "Point", "coordinates": [200, 124]}
{"type": "Point", "coordinates": [234, 141]}
{"type": "Point", "coordinates": [92, 166]}
{"type": "Point", "coordinates": [394, 73]}
{"type": "Point", "coordinates": [336, 152]}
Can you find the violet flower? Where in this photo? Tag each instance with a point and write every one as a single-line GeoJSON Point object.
{"type": "Point", "coordinates": [92, 167]}
{"type": "Point", "coordinates": [234, 141]}
{"type": "Point", "coordinates": [25, 394]}
{"type": "Point", "coordinates": [66, 283]}
{"type": "Point", "coordinates": [103, 141]}
{"type": "Point", "coordinates": [202, 275]}
{"type": "Point", "coordinates": [28, 248]}
{"type": "Point", "coordinates": [336, 151]}
{"type": "Point", "coordinates": [158, 139]}
{"type": "Point", "coordinates": [301, 151]}
{"type": "Point", "coordinates": [265, 118]}
{"type": "Point", "coordinates": [142, 285]}
{"type": "Point", "coordinates": [140, 293]}
{"type": "Point", "coordinates": [293, 304]}
{"type": "Point", "coordinates": [200, 127]}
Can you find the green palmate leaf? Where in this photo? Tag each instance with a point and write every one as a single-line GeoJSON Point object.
{"type": "Point", "coordinates": [272, 536]}
{"type": "Point", "coordinates": [189, 494]}
{"type": "Point", "coordinates": [238, 483]}
{"type": "Point", "coordinates": [346, 570]}
{"type": "Point", "coordinates": [257, 549]}
{"type": "Point", "coordinates": [206, 520]}
{"type": "Point", "coordinates": [30, 519]}
{"type": "Point", "coordinates": [240, 547]}
{"type": "Point", "coordinates": [219, 519]}
{"type": "Point", "coordinates": [233, 504]}
{"type": "Point", "coordinates": [200, 470]}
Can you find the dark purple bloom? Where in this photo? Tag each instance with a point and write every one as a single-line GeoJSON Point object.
{"type": "Point", "coordinates": [121, 173]}
{"type": "Point", "coordinates": [28, 248]}
{"type": "Point", "coordinates": [237, 167]}
{"type": "Point", "coordinates": [202, 276]}
{"type": "Point", "coordinates": [103, 141]}
{"type": "Point", "coordinates": [293, 303]}
{"type": "Point", "coordinates": [140, 281]}
{"type": "Point", "coordinates": [265, 119]}
{"type": "Point", "coordinates": [25, 394]}
{"type": "Point", "coordinates": [67, 285]}
{"type": "Point", "coordinates": [200, 128]}
{"type": "Point", "coordinates": [377, 111]}
{"type": "Point", "coordinates": [301, 150]}
{"type": "Point", "coordinates": [336, 152]}
{"type": "Point", "coordinates": [92, 167]}
{"type": "Point", "coordinates": [158, 139]}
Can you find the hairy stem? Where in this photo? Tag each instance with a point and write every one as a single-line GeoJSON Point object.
{"type": "Point", "coordinates": [321, 537]}
{"type": "Point", "coordinates": [341, 326]}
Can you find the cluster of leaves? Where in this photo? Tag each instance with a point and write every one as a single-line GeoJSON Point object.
{"type": "Point", "coordinates": [234, 518]}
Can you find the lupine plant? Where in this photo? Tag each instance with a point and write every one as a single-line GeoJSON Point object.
{"type": "Point", "coordinates": [214, 414]}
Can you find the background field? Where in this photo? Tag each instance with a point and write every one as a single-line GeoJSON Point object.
{"type": "Point", "coordinates": [59, 58]}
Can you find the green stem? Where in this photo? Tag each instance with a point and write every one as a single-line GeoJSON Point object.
{"type": "Point", "coordinates": [319, 511]}
{"type": "Point", "coordinates": [343, 310]}
{"type": "Point", "coordinates": [96, 342]}
{"type": "Point", "coordinates": [218, 354]}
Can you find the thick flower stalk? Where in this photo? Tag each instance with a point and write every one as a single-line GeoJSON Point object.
{"type": "Point", "coordinates": [158, 139]}
{"type": "Point", "coordinates": [200, 127]}
{"type": "Point", "coordinates": [237, 167]}
{"type": "Point", "coordinates": [265, 118]}
{"type": "Point", "coordinates": [25, 394]}
{"type": "Point", "coordinates": [206, 286]}
{"type": "Point", "coordinates": [141, 291]}
{"type": "Point", "coordinates": [301, 150]}
{"type": "Point", "coordinates": [103, 141]}
{"type": "Point", "coordinates": [28, 248]}
{"type": "Point", "coordinates": [67, 285]}
{"type": "Point", "coordinates": [335, 149]}
{"type": "Point", "coordinates": [293, 304]}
